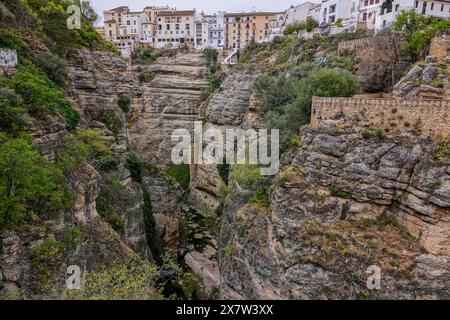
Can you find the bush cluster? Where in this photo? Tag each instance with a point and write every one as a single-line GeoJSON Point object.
{"type": "Point", "coordinates": [285, 101]}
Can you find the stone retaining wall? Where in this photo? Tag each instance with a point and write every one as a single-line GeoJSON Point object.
{"type": "Point", "coordinates": [427, 117]}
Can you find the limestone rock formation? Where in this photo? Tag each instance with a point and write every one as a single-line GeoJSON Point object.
{"type": "Point", "coordinates": [330, 219]}
{"type": "Point", "coordinates": [425, 81]}
{"type": "Point", "coordinates": [170, 101]}
{"type": "Point", "coordinates": [96, 82]}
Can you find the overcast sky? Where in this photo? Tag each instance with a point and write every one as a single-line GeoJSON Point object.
{"type": "Point", "coordinates": [208, 6]}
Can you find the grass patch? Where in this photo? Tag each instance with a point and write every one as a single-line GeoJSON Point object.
{"type": "Point", "coordinates": [180, 173]}
{"type": "Point", "coordinates": [146, 76]}
{"type": "Point", "coordinates": [441, 152]}
{"type": "Point", "coordinates": [260, 199]}
{"type": "Point", "coordinates": [338, 192]}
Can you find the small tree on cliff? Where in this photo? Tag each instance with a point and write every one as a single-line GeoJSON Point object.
{"type": "Point", "coordinates": [29, 183]}
{"type": "Point", "coordinates": [418, 31]}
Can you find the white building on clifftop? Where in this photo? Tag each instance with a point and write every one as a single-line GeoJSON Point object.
{"type": "Point", "coordinates": [390, 9]}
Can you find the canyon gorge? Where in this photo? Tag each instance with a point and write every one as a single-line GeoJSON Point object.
{"type": "Point", "coordinates": [365, 182]}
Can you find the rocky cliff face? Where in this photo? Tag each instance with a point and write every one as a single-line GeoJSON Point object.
{"type": "Point", "coordinates": [331, 217]}
{"type": "Point", "coordinates": [97, 80]}
{"type": "Point", "coordinates": [427, 80]}
{"type": "Point", "coordinates": [226, 108]}
{"type": "Point", "coordinates": [170, 101]}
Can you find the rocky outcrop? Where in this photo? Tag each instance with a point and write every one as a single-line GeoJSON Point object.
{"type": "Point", "coordinates": [332, 216]}
{"type": "Point", "coordinates": [207, 270]}
{"type": "Point", "coordinates": [427, 80]}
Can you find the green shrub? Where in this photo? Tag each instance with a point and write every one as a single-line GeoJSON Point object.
{"type": "Point", "coordinates": [437, 82]}
{"type": "Point", "coordinates": [124, 103]}
{"type": "Point", "coordinates": [116, 222]}
{"type": "Point", "coordinates": [381, 133]}
{"type": "Point", "coordinates": [260, 198]}
{"type": "Point", "coordinates": [11, 41]}
{"type": "Point", "coordinates": [111, 121]}
{"type": "Point", "coordinates": [55, 26]}
{"type": "Point", "coordinates": [248, 176]}
{"type": "Point", "coordinates": [380, 222]}
{"type": "Point", "coordinates": [338, 192]}
{"type": "Point", "coordinates": [44, 251]}
{"type": "Point", "coordinates": [135, 166]}
{"type": "Point", "coordinates": [86, 145]}
{"type": "Point", "coordinates": [417, 31]}
{"type": "Point", "coordinates": [53, 66]}
{"type": "Point", "coordinates": [248, 52]}
{"type": "Point", "coordinates": [367, 134]}
{"type": "Point", "coordinates": [145, 56]}
{"type": "Point", "coordinates": [37, 91]}
{"type": "Point", "coordinates": [53, 17]}
{"type": "Point", "coordinates": [71, 116]}
{"type": "Point", "coordinates": [215, 80]}
{"type": "Point", "coordinates": [72, 238]}
{"type": "Point", "coordinates": [129, 280]}
{"type": "Point", "coordinates": [12, 114]}
{"type": "Point", "coordinates": [29, 184]}
{"type": "Point", "coordinates": [180, 173]}
{"type": "Point", "coordinates": [41, 95]}
{"type": "Point", "coordinates": [442, 151]}
{"type": "Point", "coordinates": [286, 100]}
{"type": "Point", "coordinates": [147, 76]}
{"type": "Point", "coordinates": [309, 24]}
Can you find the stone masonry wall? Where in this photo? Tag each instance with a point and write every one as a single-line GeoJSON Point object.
{"type": "Point", "coordinates": [427, 117]}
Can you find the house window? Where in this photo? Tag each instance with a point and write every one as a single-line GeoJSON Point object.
{"type": "Point", "coordinates": [366, 3]}
{"type": "Point", "coordinates": [188, 26]}
{"type": "Point", "coordinates": [442, 7]}
{"type": "Point", "coordinates": [417, 4]}
{"type": "Point", "coordinates": [128, 23]}
{"type": "Point", "coordinates": [432, 6]}
{"type": "Point", "coordinates": [364, 16]}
